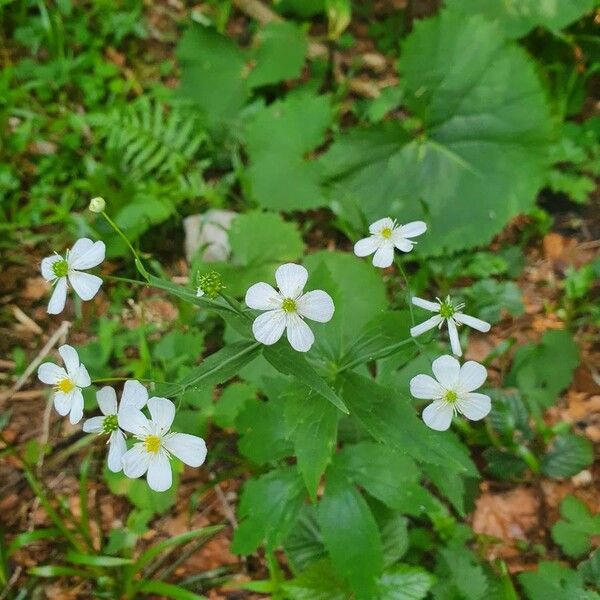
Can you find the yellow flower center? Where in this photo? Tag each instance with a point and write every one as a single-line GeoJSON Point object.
{"type": "Point", "coordinates": [451, 397]}
{"type": "Point", "coordinates": [65, 385]}
{"type": "Point", "coordinates": [386, 232]}
{"type": "Point", "coordinates": [152, 444]}
{"type": "Point", "coordinates": [289, 305]}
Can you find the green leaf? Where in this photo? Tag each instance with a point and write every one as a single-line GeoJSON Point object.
{"type": "Point", "coordinates": [290, 362]}
{"type": "Point", "coordinates": [541, 371]}
{"type": "Point", "coordinates": [220, 366]}
{"type": "Point", "coordinates": [457, 571]}
{"type": "Point", "coordinates": [392, 421]}
{"type": "Point", "coordinates": [573, 533]}
{"type": "Point", "coordinates": [383, 471]}
{"type": "Point", "coordinates": [480, 152]}
{"type": "Point", "coordinates": [518, 17]}
{"type": "Point", "coordinates": [304, 545]}
{"type": "Point", "coordinates": [312, 422]}
{"type": "Point", "coordinates": [168, 590]}
{"type": "Point", "coordinates": [567, 456]}
{"type": "Point", "coordinates": [263, 439]}
{"type": "Point", "coordinates": [386, 334]}
{"type": "Point", "coordinates": [29, 537]}
{"type": "Point", "coordinates": [231, 403]}
{"type": "Point", "coordinates": [553, 580]}
{"type": "Point", "coordinates": [404, 582]}
{"type": "Point", "coordinates": [490, 299]}
{"type": "Point", "coordinates": [317, 582]}
{"type": "Point", "coordinates": [590, 569]}
{"type": "Point", "coordinates": [277, 52]}
{"type": "Point", "coordinates": [452, 488]}
{"type": "Point", "coordinates": [278, 138]}
{"type": "Point", "coordinates": [96, 560]}
{"type": "Point", "coordinates": [268, 509]}
{"type": "Point", "coordinates": [350, 535]}
{"type": "Point", "coordinates": [264, 237]}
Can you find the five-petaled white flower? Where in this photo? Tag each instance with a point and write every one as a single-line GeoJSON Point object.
{"type": "Point", "coordinates": [60, 271]}
{"type": "Point", "coordinates": [67, 382]}
{"type": "Point", "coordinates": [447, 311]}
{"type": "Point", "coordinates": [134, 395]}
{"type": "Point", "coordinates": [386, 235]}
{"type": "Point", "coordinates": [452, 392]}
{"type": "Point", "coordinates": [288, 307]}
{"type": "Point", "coordinates": [152, 453]}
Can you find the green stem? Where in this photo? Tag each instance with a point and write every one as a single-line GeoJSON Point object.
{"type": "Point", "coordinates": [408, 294]}
{"type": "Point", "coordinates": [125, 279]}
{"type": "Point", "coordinates": [138, 262]}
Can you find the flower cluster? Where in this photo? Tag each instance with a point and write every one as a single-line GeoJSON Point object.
{"type": "Point", "coordinates": [155, 443]}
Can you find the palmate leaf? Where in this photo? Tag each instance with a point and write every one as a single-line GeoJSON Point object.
{"type": "Point", "coordinates": [574, 531]}
{"type": "Point", "coordinates": [519, 17]}
{"type": "Point", "coordinates": [480, 156]}
{"type": "Point", "coordinates": [553, 580]}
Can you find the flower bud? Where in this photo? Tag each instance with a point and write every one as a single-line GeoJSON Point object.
{"type": "Point", "coordinates": [209, 284]}
{"type": "Point", "coordinates": [97, 204]}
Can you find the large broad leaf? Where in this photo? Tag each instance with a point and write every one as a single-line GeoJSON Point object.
{"type": "Point", "coordinates": [519, 17]}
{"type": "Point", "coordinates": [278, 139]}
{"type": "Point", "coordinates": [479, 157]}
{"type": "Point", "coordinates": [313, 425]}
{"type": "Point", "coordinates": [567, 455]}
{"type": "Point", "coordinates": [404, 582]}
{"type": "Point", "coordinates": [351, 535]}
{"type": "Point", "coordinates": [391, 420]}
{"type": "Point", "coordinates": [218, 76]}
{"type": "Point", "coordinates": [268, 508]}
{"type": "Point", "coordinates": [553, 580]}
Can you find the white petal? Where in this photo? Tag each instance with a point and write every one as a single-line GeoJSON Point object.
{"type": "Point", "coordinates": [425, 388]}
{"type": "Point", "coordinates": [299, 335]}
{"type": "Point", "coordinates": [82, 379]}
{"type": "Point", "coordinates": [46, 267]}
{"type": "Point", "coordinates": [472, 376]}
{"type": "Point", "coordinates": [135, 461]}
{"type": "Point", "coordinates": [50, 373]}
{"type": "Point", "coordinates": [421, 328]}
{"type": "Point", "coordinates": [62, 403]}
{"type": "Point", "coordinates": [76, 413]}
{"type": "Point", "coordinates": [403, 244]}
{"type": "Point", "coordinates": [426, 304]}
{"type": "Point", "coordinates": [262, 296]}
{"type": "Point", "coordinates": [116, 449]}
{"type": "Point", "coordinates": [446, 370]}
{"type": "Point", "coordinates": [162, 412]}
{"type": "Point", "coordinates": [385, 223]}
{"type": "Point", "coordinates": [438, 415]}
{"type": "Point", "coordinates": [160, 477]}
{"type": "Point", "coordinates": [384, 257]}
{"type": "Point", "coordinates": [189, 449]}
{"type": "Point", "coordinates": [107, 400]}
{"type": "Point", "coordinates": [86, 254]}
{"type": "Point", "coordinates": [134, 395]}
{"type": "Point", "coordinates": [133, 420]}
{"type": "Point", "coordinates": [366, 246]}
{"type": "Point", "coordinates": [413, 229]}
{"type": "Point", "coordinates": [291, 279]}
{"type": "Point", "coordinates": [473, 322]}
{"type": "Point", "coordinates": [71, 359]}
{"type": "Point", "coordinates": [85, 285]}
{"type": "Point", "coordinates": [93, 425]}
{"type": "Point", "coordinates": [474, 406]}
{"type": "Point", "coordinates": [268, 327]}
{"type": "Point", "coordinates": [316, 305]}
{"type": "Point", "coordinates": [454, 339]}
{"type": "Point", "coordinates": [59, 297]}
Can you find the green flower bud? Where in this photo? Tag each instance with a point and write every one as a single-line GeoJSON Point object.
{"type": "Point", "coordinates": [97, 205]}
{"type": "Point", "coordinates": [210, 285]}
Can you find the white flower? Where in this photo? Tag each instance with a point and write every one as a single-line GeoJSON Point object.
{"type": "Point", "coordinates": [67, 383]}
{"type": "Point", "coordinates": [447, 311]}
{"type": "Point", "coordinates": [134, 395]}
{"type": "Point", "coordinates": [386, 235]}
{"type": "Point", "coordinates": [288, 307]}
{"type": "Point", "coordinates": [452, 392]}
{"type": "Point", "coordinates": [152, 453]}
{"type": "Point", "coordinates": [60, 271]}
{"type": "Point", "coordinates": [97, 205]}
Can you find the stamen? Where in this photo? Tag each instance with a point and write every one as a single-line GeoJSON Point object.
{"type": "Point", "coordinates": [289, 305]}
{"type": "Point", "coordinates": [65, 386]}
{"type": "Point", "coordinates": [152, 444]}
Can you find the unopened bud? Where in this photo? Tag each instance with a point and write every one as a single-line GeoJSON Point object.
{"type": "Point", "coordinates": [97, 205]}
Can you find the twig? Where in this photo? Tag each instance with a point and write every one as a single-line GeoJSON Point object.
{"type": "Point", "coordinates": [26, 320]}
{"type": "Point", "coordinates": [59, 334]}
